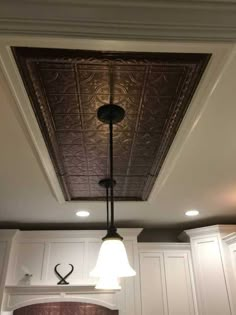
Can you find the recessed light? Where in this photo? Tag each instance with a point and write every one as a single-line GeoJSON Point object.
{"type": "Point", "coordinates": [82, 213]}
{"type": "Point", "coordinates": [192, 213]}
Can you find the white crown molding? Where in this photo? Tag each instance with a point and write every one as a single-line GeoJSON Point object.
{"type": "Point", "coordinates": [221, 230]}
{"type": "Point", "coordinates": [128, 234]}
{"type": "Point", "coordinates": [6, 235]}
{"type": "Point", "coordinates": [179, 20]}
{"type": "Point", "coordinates": [230, 238]}
{"type": "Point", "coordinates": [153, 247]}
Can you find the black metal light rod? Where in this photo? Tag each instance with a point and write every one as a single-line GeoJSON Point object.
{"type": "Point", "coordinates": [107, 200]}
{"type": "Point", "coordinates": [112, 226]}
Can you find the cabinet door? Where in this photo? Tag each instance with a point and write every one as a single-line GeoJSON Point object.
{"type": "Point", "coordinates": [153, 288]}
{"type": "Point", "coordinates": [93, 248]}
{"type": "Point", "coordinates": [178, 283]}
{"type": "Point", "coordinates": [210, 277]}
{"type": "Point", "coordinates": [3, 250]}
{"type": "Point", "coordinates": [232, 249]}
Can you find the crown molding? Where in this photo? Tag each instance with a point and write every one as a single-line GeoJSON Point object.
{"type": "Point", "coordinates": [128, 234]}
{"type": "Point", "coordinates": [230, 238]}
{"type": "Point", "coordinates": [178, 20]}
{"type": "Point", "coordinates": [6, 234]}
{"type": "Point", "coordinates": [221, 230]}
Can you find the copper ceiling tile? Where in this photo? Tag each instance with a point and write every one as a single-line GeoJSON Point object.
{"type": "Point", "coordinates": [65, 308]}
{"type": "Point", "coordinates": [66, 87]}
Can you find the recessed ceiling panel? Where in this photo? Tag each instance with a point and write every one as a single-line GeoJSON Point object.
{"type": "Point", "coordinates": [66, 87]}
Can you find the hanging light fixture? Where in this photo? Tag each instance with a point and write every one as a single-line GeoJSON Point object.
{"type": "Point", "coordinates": [108, 282]}
{"type": "Point", "coordinates": [112, 262]}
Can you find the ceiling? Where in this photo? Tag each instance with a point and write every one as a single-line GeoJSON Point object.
{"type": "Point", "coordinates": [198, 172]}
{"type": "Point", "coordinates": [66, 88]}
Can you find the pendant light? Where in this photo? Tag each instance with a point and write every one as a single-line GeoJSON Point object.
{"type": "Point", "coordinates": [112, 260]}
{"type": "Point", "coordinates": [107, 282]}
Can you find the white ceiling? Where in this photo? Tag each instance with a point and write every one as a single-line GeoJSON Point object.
{"type": "Point", "coordinates": [198, 173]}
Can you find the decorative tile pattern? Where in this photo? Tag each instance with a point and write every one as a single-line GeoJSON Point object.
{"type": "Point", "coordinates": [66, 87]}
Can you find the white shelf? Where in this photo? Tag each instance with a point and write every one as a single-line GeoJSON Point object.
{"type": "Point", "coordinates": [21, 295]}
{"type": "Point", "coordinates": [71, 288]}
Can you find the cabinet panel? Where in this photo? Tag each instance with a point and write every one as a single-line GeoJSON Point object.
{"type": "Point", "coordinates": [178, 283]}
{"type": "Point", "coordinates": [210, 277]}
{"type": "Point", "coordinates": [29, 259]}
{"type": "Point", "coordinates": [92, 256]}
{"type": "Point", "coordinates": [3, 249]}
{"type": "Point", "coordinates": [153, 289]}
{"type": "Point", "coordinates": [66, 253]}
{"type": "Point", "coordinates": [129, 283]}
{"type": "Point", "coordinates": [233, 258]}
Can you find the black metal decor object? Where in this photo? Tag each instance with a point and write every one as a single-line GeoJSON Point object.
{"type": "Point", "coordinates": [63, 279]}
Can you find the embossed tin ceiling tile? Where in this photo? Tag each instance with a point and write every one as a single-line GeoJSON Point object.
{"type": "Point", "coordinates": [77, 180]}
{"type": "Point", "coordinates": [95, 150]}
{"type": "Point", "coordinates": [64, 104]}
{"type": "Point", "coordinates": [90, 103]}
{"type": "Point", "coordinates": [66, 87]}
{"type": "Point", "coordinates": [72, 150]}
{"type": "Point", "coordinates": [58, 81]}
{"type": "Point", "coordinates": [69, 138]}
{"type": "Point", "coordinates": [70, 122]}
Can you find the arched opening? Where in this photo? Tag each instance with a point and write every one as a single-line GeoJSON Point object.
{"type": "Point", "coordinates": [64, 308]}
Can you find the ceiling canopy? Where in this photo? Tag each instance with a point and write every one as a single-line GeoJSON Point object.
{"type": "Point", "coordinates": [66, 87]}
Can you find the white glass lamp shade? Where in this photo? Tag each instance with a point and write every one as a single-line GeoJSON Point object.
{"type": "Point", "coordinates": [108, 283]}
{"type": "Point", "coordinates": [112, 261]}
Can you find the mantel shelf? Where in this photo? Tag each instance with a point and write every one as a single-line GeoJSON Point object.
{"type": "Point", "coordinates": [17, 296]}
{"type": "Point", "coordinates": [72, 288]}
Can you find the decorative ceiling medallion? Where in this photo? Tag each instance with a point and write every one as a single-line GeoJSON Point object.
{"type": "Point", "coordinates": [66, 87]}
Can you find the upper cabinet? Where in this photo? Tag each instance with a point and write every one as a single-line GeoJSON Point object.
{"type": "Point", "coordinates": [213, 270]}
{"type": "Point", "coordinates": [37, 253]}
{"type": "Point", "coordinates": [6, 239]}
{"type": "Point", "coordinates": [167, 286]}
{"type": "Point", "coordinates": [164, 284]}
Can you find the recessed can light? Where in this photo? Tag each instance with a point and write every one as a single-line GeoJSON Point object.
{"type": "Point", "coordinates": [82, 213]}
{"type": "Point", "coordinates": [192, 213]}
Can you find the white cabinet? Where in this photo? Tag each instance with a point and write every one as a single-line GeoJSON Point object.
{"type": "Point", "coordinates": [3, 249]}
{"type": "Point", "coordinates": [38, 252]}
{"type": "Point", "coordinates": [210, 277]}
{"type": "Point", "coordinates": [179, 283]}
{"type": "Point", "coordinates": [153, 287]}
{"type": "Point", "coordinates": [211, 270]}
{"type": "Point", "coordinates": [167, 286]}
{"type": "Point", "coordinates": [6, 238]}
{"type": "Point", "coordinates": [93, 248]}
